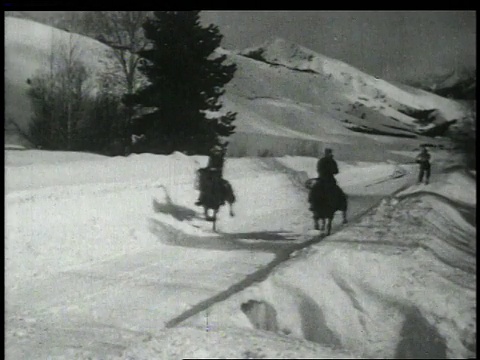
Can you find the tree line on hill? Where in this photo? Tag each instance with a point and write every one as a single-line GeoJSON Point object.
{"type": "Point", "coordinates": [160, 91]}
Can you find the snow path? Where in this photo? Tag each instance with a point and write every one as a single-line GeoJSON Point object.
{"type": "Point", "coordinates": [387, 286]}
{"type": "Point", "coordinates": [86, 306]}
{"type": "Point", "coordinates": [360, 205]}
{"type": "Point", "coordinates": [91, 266]}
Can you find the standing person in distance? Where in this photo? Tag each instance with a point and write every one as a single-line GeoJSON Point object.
{"type": "Point", "coordinates": [423, 159]}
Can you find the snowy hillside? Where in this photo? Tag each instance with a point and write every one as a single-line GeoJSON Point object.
{"type": "Point", "coordinates": [458, 84]}
{"type": "Point", "coordinates": [292, 101]}
{"type": "Point", "coordinates": [301, 90]}
{"type": "Point", "coordinates": [29, 47]}
{"type": "Point", "coordinates": [108, 258]}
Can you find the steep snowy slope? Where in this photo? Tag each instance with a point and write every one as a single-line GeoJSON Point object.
{"type": "Point", "coordinates": [346, 82]}
{"type": "Point", "coordinates": [289, 100]}
{"type": "Point", "coordinates": [29, 49]}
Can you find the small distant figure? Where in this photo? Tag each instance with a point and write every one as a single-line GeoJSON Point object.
{"type": "Point", "coordinates": [327, 167]}
{"type": "Point", "coordinates": [423, 159]}
{"type": "Point", "coordinates": [325, 196]}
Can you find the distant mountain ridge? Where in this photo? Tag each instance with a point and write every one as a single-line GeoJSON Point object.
{"type": "Point", "coordinates": [458, 84]}
{"type": "Point", "coordinates": [358, 92]}
{"type": "Point", "coordinates": [289, 99]}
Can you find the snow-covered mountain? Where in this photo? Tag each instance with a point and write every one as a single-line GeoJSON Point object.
{"type": "Point", "coordinates": [289, 99]}
{"type": "Point", "coordinates": [457, 84]}
{"type": "Point", "coordinates": [138, 274]}
{"type": "Point", "coordinates": [301, 90]}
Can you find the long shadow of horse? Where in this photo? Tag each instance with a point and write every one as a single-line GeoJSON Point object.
{"type": "Point", "coordinates": [268, 241]}
{"type": "Point", "coordinates": [181, 213]}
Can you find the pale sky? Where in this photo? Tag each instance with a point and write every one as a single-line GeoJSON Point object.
{"type": "Point", "coordinates": [394, 45]}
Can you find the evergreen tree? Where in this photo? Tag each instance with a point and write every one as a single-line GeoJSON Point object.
{"type": "Point", "coordinates": [186, 79]}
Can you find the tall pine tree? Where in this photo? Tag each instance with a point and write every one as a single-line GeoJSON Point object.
{"type": "Point", "coordinates": [186, 79]}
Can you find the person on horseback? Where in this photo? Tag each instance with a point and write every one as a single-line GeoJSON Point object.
{"type": "Point", "coordinates": [216, 159]}
{"type": "Point", "coordinates": [213, 173]}
{"type": "Point", "coordinates": [327, 167]}
{"type": "Point", "coordinates": [325, 193]}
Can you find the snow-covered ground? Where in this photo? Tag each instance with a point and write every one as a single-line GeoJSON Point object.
{"type": "Point", "coordinates": [109, 258]}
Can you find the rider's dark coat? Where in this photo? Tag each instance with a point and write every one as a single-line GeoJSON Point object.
{"type": "Point", "coordinates": [424, 160]}
{"type": "Point", "coordinates": [216, 161]}
{"type": "Point", "coordinates": [327, 167]}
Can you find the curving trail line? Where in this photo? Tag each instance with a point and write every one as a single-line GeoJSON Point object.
{"type": "Point", "coordinates": [103, 308]}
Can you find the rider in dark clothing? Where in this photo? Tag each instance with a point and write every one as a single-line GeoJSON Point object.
{"type": "Point", "coordinates": [327, 167]}
{"type": "Point", "coordinates": [212, 173]}
{"type": "Point", "coordinates": [216, 160]}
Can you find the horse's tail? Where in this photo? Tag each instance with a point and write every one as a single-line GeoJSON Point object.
{"type": "Point", "coordinates": [343, 201]}
{"type": "Point", "coordinates": [229, 193]}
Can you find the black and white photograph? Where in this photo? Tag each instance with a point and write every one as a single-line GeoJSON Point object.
{"type": "Point", "coordinates": [218, 184]}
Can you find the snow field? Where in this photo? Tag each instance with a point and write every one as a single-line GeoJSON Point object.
{"type": "Point", "coordinates": [385, 287]}
{"type": "Point", "coordinates": [125, 232]}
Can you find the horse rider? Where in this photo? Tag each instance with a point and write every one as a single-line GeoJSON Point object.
{"type": "Point", "coordinates": [423, 159]}
{"type": "Point", "coordinates": [213, 172]}
{"type": "Point", "coordinates": [327, 167]}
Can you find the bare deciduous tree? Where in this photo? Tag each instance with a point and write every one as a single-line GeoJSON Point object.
{"type": "Point", "coordinates": [59, 98]}
{"type": "Point", "coordinates": [122, 31]}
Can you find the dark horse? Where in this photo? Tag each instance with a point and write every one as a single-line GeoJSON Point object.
{"type": "Point", "coordinates": [325, 199]}
{"type": "Point", "coordinates": [215, 192]}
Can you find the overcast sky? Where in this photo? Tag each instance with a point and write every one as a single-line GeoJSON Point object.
{"type": "Point", "coordinates": [395, 45]}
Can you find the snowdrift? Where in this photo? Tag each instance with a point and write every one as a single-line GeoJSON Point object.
{"type": "Point", "coordinates": [125, 232]}
{"type": "Point", "coordinates": [385, 287]}
{"type": "Point", "coordinates": [229, 343]}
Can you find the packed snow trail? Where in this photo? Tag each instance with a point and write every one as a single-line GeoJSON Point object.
{"type": "Point", "coordinates": [120, 301]}
{"type": "Point", "coordinates": [283, 253]}
{"type": "Point", "coordinates": [102, 317]}
{"type": "Point", "coordinates": [54, 303]}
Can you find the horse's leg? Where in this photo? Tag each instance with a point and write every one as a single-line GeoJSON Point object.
{"type": "Point", "coordinates": [323, 224]}
{"type": "Point", "coordinates": [344, 208]}
{"type": "Point", "coordinates": [205, 212]}
{"type": "Point", "coordinates": [315, 223]}
{"type": "Point", "coordinates": [329, 225]}
{"type": "Point", "coordinates": [215, 220]}
{"type": "Point", "coordinates": [232, 214]}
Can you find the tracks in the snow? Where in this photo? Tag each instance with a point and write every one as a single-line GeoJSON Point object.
{"type": "Point", "coordinates": [263, 273]}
